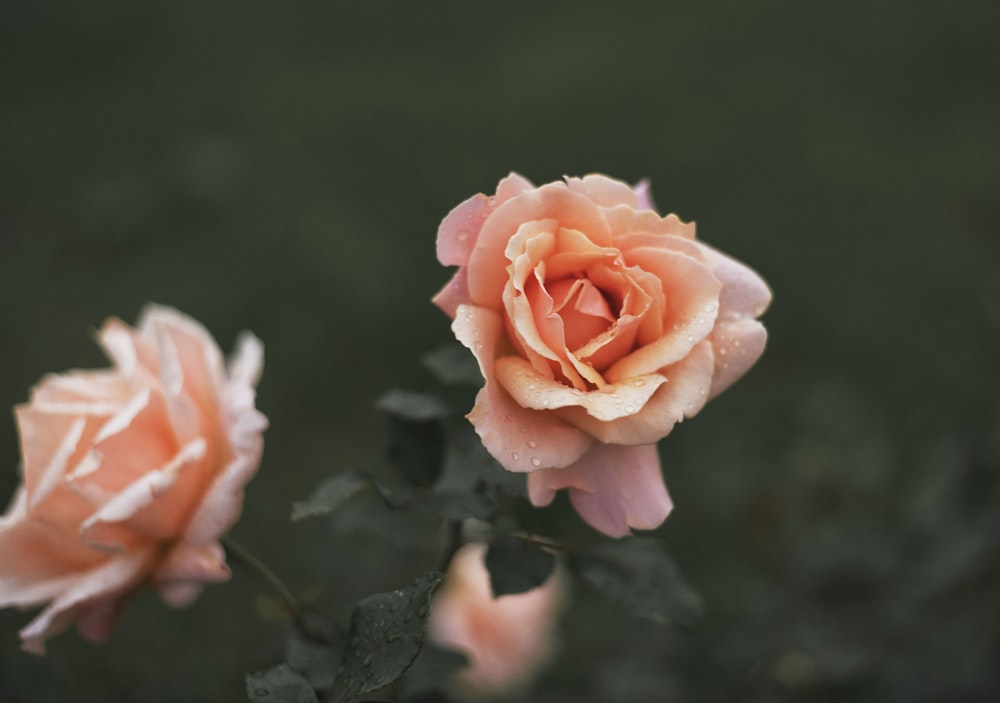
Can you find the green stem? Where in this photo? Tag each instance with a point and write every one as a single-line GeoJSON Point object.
{"type": "Point", "coordinates": [244, 556]}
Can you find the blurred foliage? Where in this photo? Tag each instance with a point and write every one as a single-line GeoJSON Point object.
{"type": "Point", "coordinates": [282, 167]}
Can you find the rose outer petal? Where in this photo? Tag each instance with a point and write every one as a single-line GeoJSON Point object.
{"type": "Point", "coordinates": [459, 230]}
{"type": "Point", "coordinates": [93, 589]}
{"type": "Point", "coordinates": [612, 487]}
{"type": "Point", "coordinates": [519, 438]}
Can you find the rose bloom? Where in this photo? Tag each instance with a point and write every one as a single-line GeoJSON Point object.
{"type": "Point", "coordinates": [598, 325]}
{"type": "Point", "coordinates": [131, 476]}
{"type": "Point", "coordinates": [507, 639]}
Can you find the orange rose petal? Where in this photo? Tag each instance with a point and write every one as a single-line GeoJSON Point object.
{"type": "Point", "coordinates": [692, 292]}
{"type": "Point", "coordinates": [531, 389]}
{"type": "Point", "coordinates": [487, 265]}
{"type": "Point", "coordinates": [685, 392]}
{"type": "Point", "coordinates": [115, 577]}
{"type": "Point", "coordinates": [612, 487]}
{"type": "Point", "coordinates": [738, 344]}
{"type": "Point", "coordinates": [454, 293]}
{"type": "Point", "coordinates": [606, 192]}
{"type": "Point", "coordinates": [744, 292]}
{"type": "Point", "coordinates": [103, 528]}
{"type": "Point", "coordinates": [519, 438]}
{"type": "Point", "coordinates": [187, 568]}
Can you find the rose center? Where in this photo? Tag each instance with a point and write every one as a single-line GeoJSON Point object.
{"type": "Point", "coordinates": [584, 309]}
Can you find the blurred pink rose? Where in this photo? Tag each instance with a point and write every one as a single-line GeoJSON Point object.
{"type": "Point", "coordinates": [131, 476]}
{"type": "Point", "coordinates": [598, 325]}
{"type": "Point", "coordinates": [507, 639]}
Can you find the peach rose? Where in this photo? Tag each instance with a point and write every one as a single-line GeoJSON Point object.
{"type": "Point", "coordinates": [506, 639]}
{"type": "Point", "coordinates": [598, 325]}
{"type": "Point", "coordinates": [131, 476]}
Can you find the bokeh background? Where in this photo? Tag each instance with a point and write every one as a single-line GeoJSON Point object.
{"type": "Point", "coordinates": [282, 167]}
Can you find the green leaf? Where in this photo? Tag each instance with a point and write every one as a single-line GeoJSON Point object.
{"type": "Point", "coordinates": [330, 495]}
{"type": "Point", "coordinates": [639, 576]}
{"type": "Point", "coordinates": [417, 449]}
{"type": "Point", "coordinates": [279, 685]}
{"type": "Point", "coordinates": [459, 505]}
{"type": "Point", "coordinates": [453, 363]}
{"type": "Point", "coordinates": [386, 634]}
{"type": "Point", "coordinates": [418, 407]}
{"type": "Point", "coordinates": [517, 565]}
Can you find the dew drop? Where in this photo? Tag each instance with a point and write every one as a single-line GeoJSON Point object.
{"type": "Point", "coordinates": [462, 235]}
{"type": "Point", "coordinates": [639, 382]}
{"type": "Point", "coordinates": [701, 391]}
{"type": "Point", "coordinates": [722, 350]}
{"type": "Point", "coordinates": [737, 343]}
{"type": "Point", "coordinates": [477, 345]}
{"type": "Point", "coordinates": [508, 417]}
{"type": "Point", "coordinates": [535, 461]}
{"type": "Point", "coordinates": [532, 443]}
{"type": "Point", "coordinates": [532, 386]}
{"type": "Point", "coordinates": [515, 456]}
{"type": "Point", "coordinates": [690, 339]}
{"type": "Point", "coordinates": [629, 409]}
{"type": "Point", "coordinates": [709, 307]}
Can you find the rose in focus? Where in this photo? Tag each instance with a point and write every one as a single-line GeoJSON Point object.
{"type": "Point", "coordinates": [130, 476]}
{"type": "Point", "coordinates": [597, 325]}
{"type": "Point", "coordinates": [507, 639]}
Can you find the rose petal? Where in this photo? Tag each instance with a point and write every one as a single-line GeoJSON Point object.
{"type": "Point", "coordinates": [460, 228]}
{"type": "Point", "coordinates": [115, 577]}
{"type": "Point", "coordinates": [693, 294]}
{"type": "Point", "coordinates": [744, 292]}
{"type": "Point", "coordinates": [454, 293]}
{"type": "Point", "coordinates": [487, 264]}
{"type": "Point", "coordinates": [738, 344]}
{"type": "Point", "coordinates": [143, 504]}
{"type": "Point", "coordinates": [519, 438]}
{"type": "Point", "coordinates": [531, 389]}
{"type": "Point", "coordinates": [604, 191]}
{"type": "Point", "coordinates": [187, 568]}
{"type": "Point", "coordinates": [683, 395]}
{"type": "Point", "coordinates": [612, 488]}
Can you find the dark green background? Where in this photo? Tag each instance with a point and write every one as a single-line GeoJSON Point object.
{"type": "Point", "coordinates": [283, 166]}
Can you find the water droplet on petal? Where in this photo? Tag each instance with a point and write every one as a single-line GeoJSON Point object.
{"type": "Point", "coordinates": [462, 235]}
{"type": "Point", "coordinates": [722, 350]}
{"type": "Point", "coordinates": [629, 409]}
{"type": "Point", "coordinates": [535, 461]}
{"type": "Point", "coordinates": [515, 456]}
{"type": "Point", "coordinates": [532, 443]}
{"type": "Point", "coordinates": [532, 386]}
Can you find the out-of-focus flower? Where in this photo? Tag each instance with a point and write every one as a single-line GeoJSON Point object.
{"type": "Point", "coordinates": [507, 639]}
{"type": "Point", "coordinates": [130, 476]}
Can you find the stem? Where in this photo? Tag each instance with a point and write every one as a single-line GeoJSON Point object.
{"type": "Point", "coordinates": [244, 556]}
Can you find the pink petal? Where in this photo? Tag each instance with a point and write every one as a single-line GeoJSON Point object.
{"type": "Point", "coordinates": [95, 588]}
{"type": "Point", "coordinates": [531, 389]}
{"type": "Point", "coordinates": [39, 562]}
{"type": "Point", "coordinates": [684, 391]}
{"type": "Point", "coordinates": [604, 191]}
{"type": "Point", "coordinates": [612, 488]}
{"type": "Point", "coordinates": [147, 504]}
{"type": "Point", "coordinates": [487, 265]}
{"type": "Point", "coordinates": [454, 293]}
{"type": "Point", "coordinates": [738, 344]}
{"type": "Point", "coordinates": [744, 292]}
{"type": "Point", "coordinates": [519, 438]}
{"type": "Point", "coordinates": [459, 230]}
{"type": "Point", "coordinates": [222, 503]}
{"type": "Point", "coordinates": [692, 292]}
{"type": "Point", "coordinates": [187, 568]}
